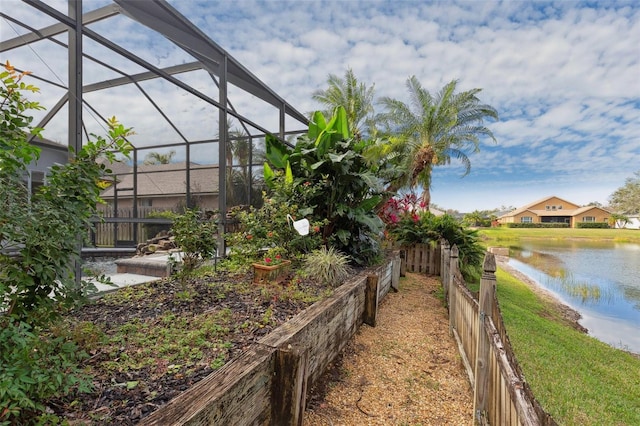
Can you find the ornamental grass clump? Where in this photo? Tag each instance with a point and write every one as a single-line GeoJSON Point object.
{"type": "Point", "coordinates": [328, 266]}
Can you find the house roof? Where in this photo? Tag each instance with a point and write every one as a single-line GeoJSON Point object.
{"type": "Point", "coordinates": [544, 212]}
{"type": "Point", "coordinates": [163, 180]}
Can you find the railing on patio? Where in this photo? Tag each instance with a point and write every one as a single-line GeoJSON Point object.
{"type": "Point", "coordinates": [119, 228]}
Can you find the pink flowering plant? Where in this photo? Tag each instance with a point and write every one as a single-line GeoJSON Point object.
{"type": "Point", "coordinates": [400, 209]}
{"type": "Point", "coordinates": [273, 257]}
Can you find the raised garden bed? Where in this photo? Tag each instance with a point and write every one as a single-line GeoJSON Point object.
{"type": "Point", "coordinates": [236, 372]}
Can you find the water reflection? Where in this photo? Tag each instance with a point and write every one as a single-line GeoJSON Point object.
{"type": "Point", "coordinates": [599, 279]}
{"type": "Point", "coordinates": [560, 279]}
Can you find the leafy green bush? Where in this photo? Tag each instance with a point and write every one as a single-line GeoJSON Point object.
{"type": "Point", "coordinates": [268, 228]}
{"type": "Point", "coordinates": [44, 229]}
{"type": "Point", "coordinates": [425, 227]}
{"type": "Point", "coordinates": [40, 241]}
{"type": "Point", "coordinates": [34, 367]}
{"type": "Point", "coordinates": [592, 225]}
{"type": "Point", "coordinates": [537, 225]}
{"type": "Point", "coordinates": [328, 266]}
{"type": "Point", "coordinates": [196, 237]}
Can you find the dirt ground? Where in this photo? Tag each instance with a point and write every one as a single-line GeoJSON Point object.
{"type": "Point", "coordinates": [405, 371]}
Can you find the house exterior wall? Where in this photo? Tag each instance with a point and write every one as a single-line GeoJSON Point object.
{"type": "Point", "coordinates": [556, 210]}
{"type": "Point", "coordinates": [518, 218]}
{"type": "Point", "coordinates": [206, 202]}
{"type": "Point", "coordinates": [552, 202]}
{"type": "Point", "coordinates": [597, 213]}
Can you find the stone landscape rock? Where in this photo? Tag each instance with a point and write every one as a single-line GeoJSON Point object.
{"type": "Point", "coordinates": [163, 241]}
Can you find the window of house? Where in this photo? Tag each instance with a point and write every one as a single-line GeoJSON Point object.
{"type": "Point", "coordinates": [526, 219]}
{"type": "Point", "coordinates": [547, 207]}
{"type": "Point", "coordinates": [559, 207]}
{"type": "Point", "coordinates": [145, 202]}
{"type": "Point", "coordinates": [553, 207]}
{"type": "Point", "coordinates": [588, 219]}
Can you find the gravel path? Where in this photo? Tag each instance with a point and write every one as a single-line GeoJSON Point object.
{"type": "Point", "coordinates": [404, 371]}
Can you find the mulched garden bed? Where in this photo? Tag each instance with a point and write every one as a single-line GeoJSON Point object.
{"type": "Point", "coordinates": [148, 343]}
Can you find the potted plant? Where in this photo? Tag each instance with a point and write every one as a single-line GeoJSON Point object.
{"type": "Point", "coordinates": [270, 267]}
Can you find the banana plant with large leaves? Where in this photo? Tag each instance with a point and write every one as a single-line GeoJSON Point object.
{"type": "Point", "coordinates": [328, 176]}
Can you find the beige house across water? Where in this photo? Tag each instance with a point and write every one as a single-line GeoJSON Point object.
{"type": "Point", "coordinates": [555, 210]}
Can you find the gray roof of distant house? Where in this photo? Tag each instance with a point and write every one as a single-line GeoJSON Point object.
{"type": "Point", "coordinates": [164, 180]}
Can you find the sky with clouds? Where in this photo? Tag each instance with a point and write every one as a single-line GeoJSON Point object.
{"type": "Point", "coordinates": [564, 77]}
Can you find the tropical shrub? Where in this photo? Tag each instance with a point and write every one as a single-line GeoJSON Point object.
{"type": "Point", "coordinates": [269, 229]}
{"type": "Point", "coordinates": [425, 227]}
{"type": "Point", "coordinates": [396, 208]}
{"type": "Point", "coordinates": [328, 176]}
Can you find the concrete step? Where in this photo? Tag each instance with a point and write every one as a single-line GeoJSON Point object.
{"type": "Point", "coordinates": [155, 265]}
{"type": "Point", "coordinates": [122, 280]}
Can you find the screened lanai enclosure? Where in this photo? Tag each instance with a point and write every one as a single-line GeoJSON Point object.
{"type": "Point", "coordinates": [199, 116]}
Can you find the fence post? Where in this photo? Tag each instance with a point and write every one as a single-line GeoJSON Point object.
{"type": "Point", "coordinates": [453, 272]}
{"type": "Point", "coordinates": [481, 386]}
{"type": "Point", "coordinates": [444, 275]}
{"type": "Point", "coordinates": [371, 301]}
{"type": "Point", "coordinates": [289, 390]}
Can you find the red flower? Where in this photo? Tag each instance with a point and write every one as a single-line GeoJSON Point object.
{"type": "Point", "coordinates": [249, 237]}
{"type": "Point", "coordinates": [278, 256]}
{"type": "Point", "coordinates": [267, 260]}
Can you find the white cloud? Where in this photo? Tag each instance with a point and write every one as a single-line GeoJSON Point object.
{"type": "Point", "coordinates": [564, 77]}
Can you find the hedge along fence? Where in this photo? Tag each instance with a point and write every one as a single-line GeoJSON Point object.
{"type": "Point", "coordinates": [537, 225]}
{"type": "Point", "coordinates": [501, 396]}
{"type": "Point", "coordinates": [267, 384]}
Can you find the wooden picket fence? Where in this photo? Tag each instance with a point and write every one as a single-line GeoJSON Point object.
{"type": "Point", "coordinates": [421, 258]}
{"type": "Point", "coordinates": [501, 396]}
{"type": "Point", "coordinates": [120, 228]}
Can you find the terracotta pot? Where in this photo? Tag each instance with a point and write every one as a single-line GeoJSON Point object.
{"type": "Point", "coordinates": [264, 273]}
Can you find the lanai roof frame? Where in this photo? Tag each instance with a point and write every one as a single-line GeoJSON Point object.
{"type": "Point", "coordinates": [160, 17]}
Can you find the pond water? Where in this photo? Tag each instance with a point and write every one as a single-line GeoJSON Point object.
{"type": "Point", "coordinates": [601, 280]}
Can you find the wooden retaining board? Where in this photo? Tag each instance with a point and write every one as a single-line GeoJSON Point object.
{"type": "Point", "coordinates": [324, 328]}
{"type": "Point", "coordinates": [236, 394]}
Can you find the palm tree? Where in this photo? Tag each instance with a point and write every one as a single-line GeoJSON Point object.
{"type": "Point", "coordinates": [158, 158]}
{"type": "Point", "coordinates": [355, 97]}
{"type": "Point", "coordinates": [432, 130]}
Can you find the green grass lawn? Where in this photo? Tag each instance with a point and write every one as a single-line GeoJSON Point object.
{"type": "Point", "coordinates": [577, 379]}
{"type": "Point", "coordinates": [500, 235]}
